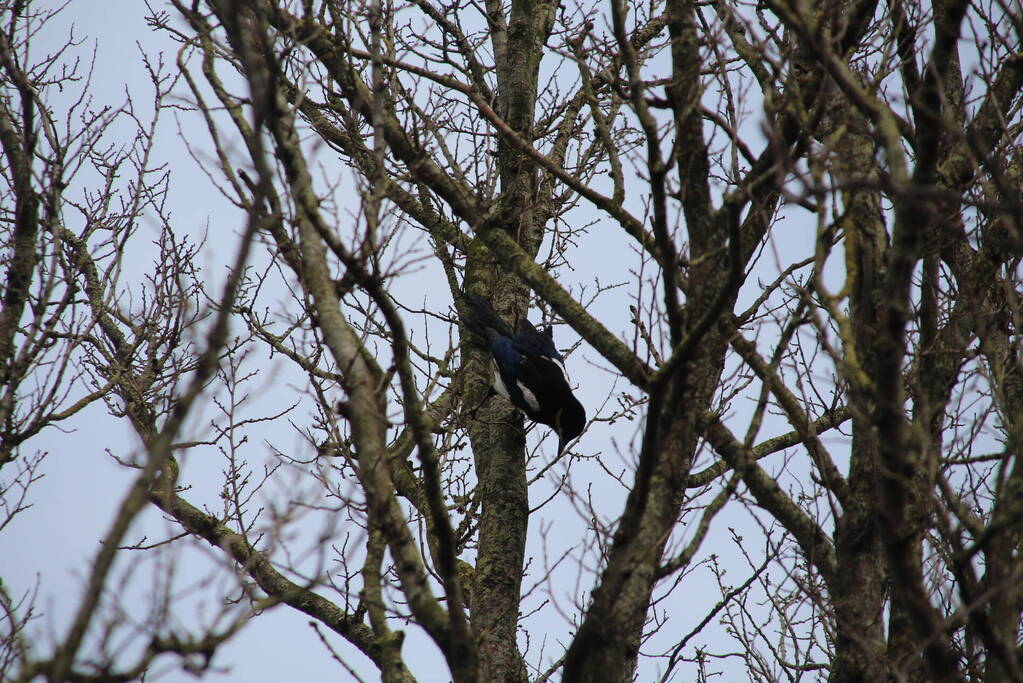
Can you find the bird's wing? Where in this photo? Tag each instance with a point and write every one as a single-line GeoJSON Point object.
{"type": "Point", "coordinates": [541, 346]}
{"type": "Point", "coordinates": [546, 377]}
{"type": "Point", "coordinates": [509, 378]}
{"type": "Point", "coordinates": [505, 354]}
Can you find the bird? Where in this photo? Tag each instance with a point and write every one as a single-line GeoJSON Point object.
{"type": "Point", "coordinates": [528, 370]}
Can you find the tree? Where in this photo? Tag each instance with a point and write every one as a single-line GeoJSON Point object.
{"type": "Point", "coordinates": [371, 151]}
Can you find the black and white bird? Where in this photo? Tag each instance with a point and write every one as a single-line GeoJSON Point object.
{"type": "Point", "coordinates": [528, 370]}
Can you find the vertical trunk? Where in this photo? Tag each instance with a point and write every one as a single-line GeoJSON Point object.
{"type": "Point", "coordinates": [498, 436]}
{"type": "Point", "coordinates": [499, 445]}
{"type": "Point", "coordinates": [18, 153]}
{"type": "Point", "coordinates": [858, 590]}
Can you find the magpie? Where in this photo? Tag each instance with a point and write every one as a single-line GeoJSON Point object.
{"type": "Point", "coordinates": [528, 370]}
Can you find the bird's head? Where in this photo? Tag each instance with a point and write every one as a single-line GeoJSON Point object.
{"type": "Point", "coordinates": [569, 422]}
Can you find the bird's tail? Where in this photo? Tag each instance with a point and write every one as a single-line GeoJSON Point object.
{"type": "Point", "coordinates": [482, 320]}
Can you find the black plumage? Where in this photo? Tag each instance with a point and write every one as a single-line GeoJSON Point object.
{"type": "Point", "coordinates": [528, 370]}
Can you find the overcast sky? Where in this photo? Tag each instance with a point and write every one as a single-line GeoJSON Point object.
{"type": "Point", "coordinates": [56, 540]}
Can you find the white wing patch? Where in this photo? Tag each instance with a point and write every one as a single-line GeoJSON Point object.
{"type": "Point", "coordinates": [529, 396]}
{"type": "Point", "coordinates": [561, 366]}
{"type": "Point", "coordinates": [498, 384]}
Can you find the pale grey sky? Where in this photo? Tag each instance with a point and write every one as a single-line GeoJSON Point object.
{"type": "Point", "coordinates": [56, 539]}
